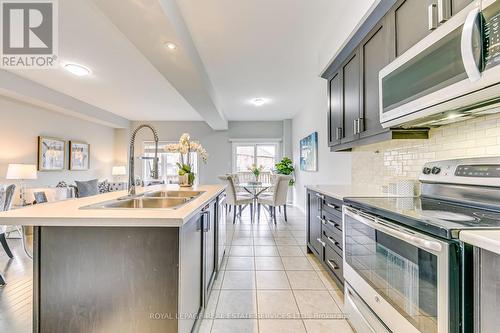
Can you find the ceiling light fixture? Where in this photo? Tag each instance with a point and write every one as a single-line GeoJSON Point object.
{"type": "Point", "coordinates": [259, 101]}
{"type": "Point", "coordinates": [170, 46]}
{"type": "Point", "coordinates": [77, 70]}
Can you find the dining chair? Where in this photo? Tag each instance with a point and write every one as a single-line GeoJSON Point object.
{"type": "Point", "coordinates": [5, 203]}
{"type": "Point", "coordinates": [277, 198]}
{"type": "Point", "coordinates": [234, 199]}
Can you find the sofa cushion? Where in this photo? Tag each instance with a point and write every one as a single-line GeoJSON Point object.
{"type": "Point", "coordinates": [87, 188]}
{"type": "Point", "coordinates": [104, 186]}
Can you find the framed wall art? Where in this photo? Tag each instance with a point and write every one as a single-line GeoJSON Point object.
{"type": "Point", "coordinates": [309, 153]}
{"type": "Point", "coordinates": [79, 156]}
{"type": "Point", "coordinates": [51, 154]}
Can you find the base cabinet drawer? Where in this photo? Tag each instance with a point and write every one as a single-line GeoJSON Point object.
{"type": "Point", "coordinates": [332, 206]}
{"type": "Point", "coordinates": [333, 240]}
{"type": "Point", "coordinates": [334, 262]}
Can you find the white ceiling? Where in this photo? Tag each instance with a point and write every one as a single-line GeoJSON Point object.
{"type": "Point", "coordinates": [123, 81]}
{"type": "Point", "coordinates": [230, 51]}
{"type": "Point", "coordinates": [262, 48]}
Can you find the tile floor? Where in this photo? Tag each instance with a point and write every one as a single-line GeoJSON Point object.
{"type": "Point", "coordinates": [269, 284]}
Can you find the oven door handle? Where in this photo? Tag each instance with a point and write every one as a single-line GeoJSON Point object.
{"type": "Point", "coordinates": [395, 231]}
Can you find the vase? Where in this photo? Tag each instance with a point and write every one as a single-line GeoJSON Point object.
{"type": "Point", "coordinates": [186, 180]}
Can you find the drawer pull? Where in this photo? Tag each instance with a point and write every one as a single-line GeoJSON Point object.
{"type": "Point", "coordinates": [334, 242]}
{"type": "Point", "coordinates": [321, 242]}
{"type": "Point", "coordinates": [332, 264]}
{"type": "Point", "coordinates": [321, 196]}
{"type": "Point", "coordinates": [332, 206]}
{"type": "Point", "coordinates": [335, 225]}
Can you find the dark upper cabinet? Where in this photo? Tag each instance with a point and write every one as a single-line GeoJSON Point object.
{"type": "Point", "coordinates": [458, 5]}
{"type": "Point", "coordinates": [351, 97]}
{"type": "Point", "coordinates": [411, 21]}
{"type": "Point", "coordinates": [335, 112]}
{"type": "Point", "coordinates": [376, 52]}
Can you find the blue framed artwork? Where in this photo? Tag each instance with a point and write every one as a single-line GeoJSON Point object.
{"type": "Point", "coordinates": [309, 153]}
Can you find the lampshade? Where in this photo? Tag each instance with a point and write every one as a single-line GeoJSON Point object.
{"type": "Point", "coordinates": [21, 171]}
{"type": "Point", "coordinates": [119, 171]}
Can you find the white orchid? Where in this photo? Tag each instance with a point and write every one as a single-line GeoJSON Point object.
{"type": "Point", "coordinates": [185, 145]}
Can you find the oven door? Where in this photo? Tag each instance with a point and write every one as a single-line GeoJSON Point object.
{"type": "Point", "coordinates": [401, 274]}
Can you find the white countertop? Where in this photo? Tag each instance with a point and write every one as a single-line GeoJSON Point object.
{"type": "Point", "coordinates": [485, 239]}
{"type": "Point", "coordinates": [345, 191]}
{"type": "Point", "coordinates": [68, 212]}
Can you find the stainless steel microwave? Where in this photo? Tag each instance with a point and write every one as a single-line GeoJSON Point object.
{"type": "Point", "coordinates": [450, 75]}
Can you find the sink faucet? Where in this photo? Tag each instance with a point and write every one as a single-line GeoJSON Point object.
{"type": "Point", "coordinates": [131, 166]}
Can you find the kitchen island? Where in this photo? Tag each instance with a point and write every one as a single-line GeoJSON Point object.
{"type": "Point", "coordinates": [123, 269]}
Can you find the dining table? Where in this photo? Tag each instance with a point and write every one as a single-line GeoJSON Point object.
{"type": "Point", "coordinates": [255, 189]}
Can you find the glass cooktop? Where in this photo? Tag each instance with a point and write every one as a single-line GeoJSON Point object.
{"type": "Point", "coordinates": [436, 217]}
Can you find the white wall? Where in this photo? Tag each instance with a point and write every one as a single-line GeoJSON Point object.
{"type": "Point", "coordinates": [217, 143]}
{"type": "Point", "coordinates": [21, 124]}
{"type": "Point", "coordinates": [333, 168]}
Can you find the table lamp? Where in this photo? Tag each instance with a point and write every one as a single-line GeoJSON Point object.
{"type": "Point", "coordinates": [21, 172]}
{"type": "Point", "coordinates": [119, 171]}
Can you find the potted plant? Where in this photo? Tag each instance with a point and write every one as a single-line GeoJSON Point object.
{"type": "Point", "coordinates": [256, 170]}
{"type": "Point", "coordinates": [285, 167]}
{"type": "Point", "coordinates": [184, 147]}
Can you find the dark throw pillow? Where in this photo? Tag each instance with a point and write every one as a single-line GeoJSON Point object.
{"type": "Point", "coordinates": [87, 188]}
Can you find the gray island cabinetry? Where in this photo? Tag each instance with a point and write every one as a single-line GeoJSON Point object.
{"type": "Point", "coordinates": [127, 271]}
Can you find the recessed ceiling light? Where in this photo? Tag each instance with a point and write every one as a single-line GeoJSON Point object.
{"type": "Point", "coordinates": [77, 70]}
{"type": "Point", "coordinates": [259, 101]}
{"type": "Point", "coordinates": [170, 46]}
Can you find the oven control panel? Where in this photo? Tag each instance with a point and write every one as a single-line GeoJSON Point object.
{"type": "Point", "coordinates": [470, 171]}
{"type": "Point", "coordinates": [488, 171]}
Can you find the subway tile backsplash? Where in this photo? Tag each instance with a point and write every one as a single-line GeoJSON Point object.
{"type": "Point", "coordinates": [390, 161]}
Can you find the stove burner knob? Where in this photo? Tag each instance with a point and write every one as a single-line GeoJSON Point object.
{"type": "Point", "coordinates": [436, 170]}
{"type": "Point", "coordinates": [426, 171]}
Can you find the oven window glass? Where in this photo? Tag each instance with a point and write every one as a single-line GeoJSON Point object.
{"type": "Point", "coordinates": [403, 274]}
{"type": "Point", "coordinates": [433, 69]}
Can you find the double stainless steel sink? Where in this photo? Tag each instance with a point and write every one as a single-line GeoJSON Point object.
{"type": "Point", "coordinates": [149, 200]}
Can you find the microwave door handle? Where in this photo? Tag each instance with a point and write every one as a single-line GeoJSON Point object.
{"type": "Point", "coordinates": [396, 232]}
{"type": "Point", "coordinates": [471, 68]}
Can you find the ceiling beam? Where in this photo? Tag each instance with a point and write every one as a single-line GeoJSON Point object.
{"type": "Point", "coordinates": [205, 102]}
{"type": "Point", "coordinates": [27, 91]}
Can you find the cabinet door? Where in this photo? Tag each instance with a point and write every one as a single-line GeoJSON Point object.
{"type": "Point", "coordinates": [209, 224]}
{"type": "Point", "coordinates": [375, 53]}
{"type": "Point", "coordinates": [458, 5]}
{"type": "Point", "coordinates": [191, 274]}
{"type": "Point", "coordinates": [314, 224]}
{"type": "Point", "coordinates": [351, 98]}
{"type": "Point", "coordinates": [411, 21]}
{"type": "Point", "coordinates": [335, 117]}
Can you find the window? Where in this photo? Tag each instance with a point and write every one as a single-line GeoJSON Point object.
{"type": "Point", "coordinates": [166, 162]}
{"type": "Point", "coordinates": [246, 154]}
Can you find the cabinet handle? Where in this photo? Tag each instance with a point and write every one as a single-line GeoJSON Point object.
{"type": "Point", "coordinates": [332, 206]}
{"type": "Point", "coordinates": [339, 133]}
{"type": "Point", "coordinates": [335, 225]}
{"type": "Point", "coordinates": [359, 125]}
{"type": "Point", "coordinates": [355, 126]}
{"type": "Point", "coordinates": [444, 10]}
{"type": "Point", "coordinates": [321, 242]}
{"type": "Point", "coordinates": [333, 241]}
{"type": "Point", "coordinates": [321, 196]}
{"type": "Point", "coordinates": [432, 15]}
{"type": "Point", "coordinates": [332, 264]}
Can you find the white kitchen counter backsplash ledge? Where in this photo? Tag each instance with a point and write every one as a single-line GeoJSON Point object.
{"type": "Point", "coordinates": [390, 161]}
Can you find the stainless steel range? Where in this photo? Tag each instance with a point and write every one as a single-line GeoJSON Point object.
{"type": "Point", "coordinates": [404, 267]}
